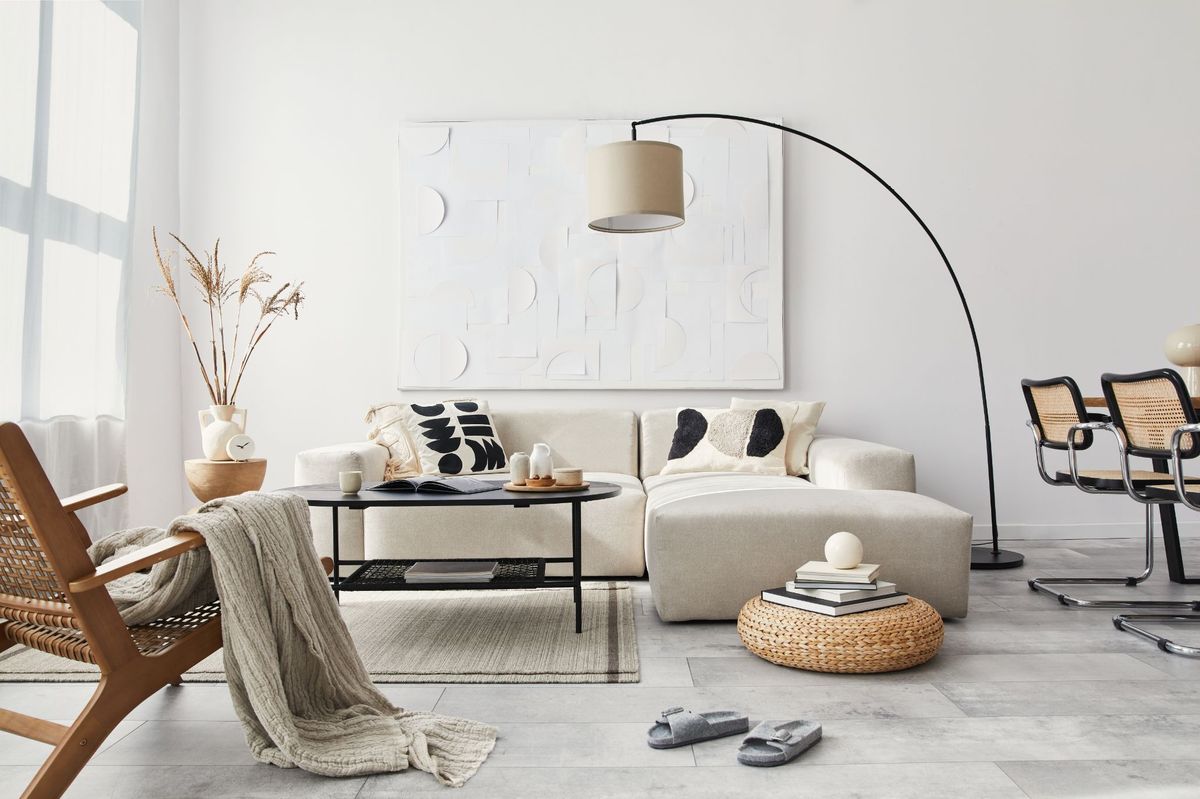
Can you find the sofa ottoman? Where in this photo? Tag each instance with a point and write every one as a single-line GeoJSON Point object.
{"type": "Point", "coordinates": [714, 541]}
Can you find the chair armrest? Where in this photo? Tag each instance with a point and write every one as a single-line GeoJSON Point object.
{"type": "Point", "coordinates": [85, 499]}
{"type": "Point", "coordinates": [322, 465]}
{"type": "Point", "coordinates": [162, 550]}
{"type": "Point", "coordinates": [850, 463]}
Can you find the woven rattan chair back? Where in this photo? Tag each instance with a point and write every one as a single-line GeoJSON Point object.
{"type": "Point", "coordinates": [1147, 407]}
{"type": "Point", "coordinates": [31, 590]}
{"type": "Point", "coordinates": [1054, 405]}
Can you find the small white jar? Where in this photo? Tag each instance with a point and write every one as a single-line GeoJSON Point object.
{"type": "Point", "coordinates": [518, 468]}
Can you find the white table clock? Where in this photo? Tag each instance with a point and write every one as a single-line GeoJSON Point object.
{"type": "Point", "coordinates": [240, 447]}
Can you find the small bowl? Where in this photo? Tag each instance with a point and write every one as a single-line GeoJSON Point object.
{"type": "Point", "coordinates": [540, 482]}
{"type": "Point", "coordinates": [568, 476]}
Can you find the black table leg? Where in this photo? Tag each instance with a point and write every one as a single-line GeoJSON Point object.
{"type": "Point", "coordinates": [576, 564]}
{"type": "Point", "coordinates": [337, 571]}
{"type": "Point", "coordinates": [1170, 536]}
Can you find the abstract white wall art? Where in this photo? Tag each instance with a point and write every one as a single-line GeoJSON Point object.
{"type": "Point", "coordinates": [504, 286]}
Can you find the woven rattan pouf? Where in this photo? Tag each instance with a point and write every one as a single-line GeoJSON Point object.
{"type": "Point", "coordinates": [890, 639]}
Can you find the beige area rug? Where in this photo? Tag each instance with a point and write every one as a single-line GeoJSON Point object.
{"type": "Point", "coordinates": [510, 636]}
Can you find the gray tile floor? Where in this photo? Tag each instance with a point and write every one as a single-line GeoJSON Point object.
{"type": "Point", "coordinates": [1026, 699]}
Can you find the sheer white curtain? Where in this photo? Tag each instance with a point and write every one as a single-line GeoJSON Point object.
{"type": "Point", "coordinates": [68, 88]}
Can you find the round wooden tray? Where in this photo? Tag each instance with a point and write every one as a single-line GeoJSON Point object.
{"type": "Point", "coordinates": [546, 489]}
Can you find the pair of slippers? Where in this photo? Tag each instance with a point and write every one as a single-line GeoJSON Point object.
{"type": "Point", "coordinates": [771, 743]}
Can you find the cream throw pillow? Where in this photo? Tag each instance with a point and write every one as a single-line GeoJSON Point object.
{"type": "Point", "coordinates": [388, 431]}
{"type": "Point", "coordinates": [804, 426]}
{"type": "Point", "coordinates": [727, 440]}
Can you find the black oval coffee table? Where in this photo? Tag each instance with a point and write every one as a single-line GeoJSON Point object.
{"type": "Point", "coordinates": [388, 575]}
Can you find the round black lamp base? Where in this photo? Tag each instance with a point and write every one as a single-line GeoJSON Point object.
{"type": "Point", "coordinates": [984, 558]}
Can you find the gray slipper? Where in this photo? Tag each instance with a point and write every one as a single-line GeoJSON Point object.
{"type": "Point", "coordinates": [773, 743]}
{"type": "Point", "coordinates": [679, 727]}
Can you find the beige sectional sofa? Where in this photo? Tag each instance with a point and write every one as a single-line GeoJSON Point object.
{"type": "Point", "coordinates": [709, 541]}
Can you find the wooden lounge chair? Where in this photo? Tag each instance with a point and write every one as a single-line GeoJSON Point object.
{"type": "Point", "coordinates": [52, 598]}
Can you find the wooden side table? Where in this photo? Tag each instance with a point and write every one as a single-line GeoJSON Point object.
{"type": "Point", "coordinates": [215, 479]}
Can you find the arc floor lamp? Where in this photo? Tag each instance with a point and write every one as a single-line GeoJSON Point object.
{"type": "Point", "coordinates": [637, 187]}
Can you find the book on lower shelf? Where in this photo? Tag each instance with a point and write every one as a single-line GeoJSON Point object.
{"type": "Point", "coordinates": [840, 594]}
{"type": "Point", "coordinates": [819, 570]}
{"type": "Point", "coordinates": [451, 571]}
{"type": "Point", "coordinates": [781, 596]}
{"type": "Point", "coordinates": [435, 484]}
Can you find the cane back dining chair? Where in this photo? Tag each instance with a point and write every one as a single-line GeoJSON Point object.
{"type": "Point", "coordinates": [53, 599]}
{"type": "Point", "coordinates": [1060, 421]}
{"type": "Point", "coordinates": [1153, 415]}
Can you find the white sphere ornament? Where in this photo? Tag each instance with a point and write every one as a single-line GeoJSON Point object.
{"type": "Point", "coordinates": [843, 550]}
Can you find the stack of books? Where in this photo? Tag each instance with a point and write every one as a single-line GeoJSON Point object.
{"type": "Point", "coordinates": [821, 588]}
{"type": "Point", "coordinates": [450, 571]}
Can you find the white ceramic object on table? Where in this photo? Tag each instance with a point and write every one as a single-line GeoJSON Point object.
{"type": "Point", "coordinates": [568, 476]}
{"type": "Point", "coordinates": [518, 468]}
{"type": "Point", "coordinates": [843, 550]}
{"type": "Point", "coordinates": [350, 482]}
{"type": "Point", "coordinates": [541, 463]}
{"type": "Point", "coordinates": [1183, 349]}
{"type": "Point", "coordinates": [217, 426]}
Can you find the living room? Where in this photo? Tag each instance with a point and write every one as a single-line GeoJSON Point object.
{"type": "Point", "coordinates": [754, 340]}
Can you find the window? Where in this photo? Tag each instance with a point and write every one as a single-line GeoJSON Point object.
{"type": "Point", "coordinates": [68, 133]}
{"type": "Point", "coordinates": [68, 79]}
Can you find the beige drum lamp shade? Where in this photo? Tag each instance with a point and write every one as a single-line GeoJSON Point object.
{"type": "Point", "coordinates": [635, 187]}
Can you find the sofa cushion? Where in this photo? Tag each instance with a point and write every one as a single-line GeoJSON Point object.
{"type": "Point", "coordinates": [714, 541]}
{"type": "Point", "coordinates": [456, 437]}
{"type": "Point", "coordinates": [657, 432]}
{"type": "Point", "coordinates": [805, 416]}
{"type": "Point", "coordinates": [612, 544]}
{"type": "Point", "coordinates": [724, 440]}
{"type": "Point", "coordinates": [601, 440]}
{"type": "Point", "coordinates": [662, 489]}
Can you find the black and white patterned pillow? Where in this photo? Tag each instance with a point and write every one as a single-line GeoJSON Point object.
{"type": "Point", "coordinates": [718, 440]}
{"type": "Point", "coordinates": [455, 438]}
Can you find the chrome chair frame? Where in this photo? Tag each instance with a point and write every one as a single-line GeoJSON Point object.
{"type": "Point", "coordinates": [1043, 584]}
{"type": "Point", "coordinates": [1132, 622]}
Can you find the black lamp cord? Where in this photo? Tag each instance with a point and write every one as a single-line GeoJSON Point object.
{"type": "Point", "coordinates": [987, 422]}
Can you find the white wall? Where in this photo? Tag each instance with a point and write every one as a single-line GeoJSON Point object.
{"type": "Point", "coordinates": [1049, 144]}
{"type": "Point", "coordinates": [154, 397]}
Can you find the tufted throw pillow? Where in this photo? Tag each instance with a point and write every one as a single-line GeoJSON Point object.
{"type": "Point", "coordinates": [455, 437]}
{"type": "Point", "coordinates": [804, 427]}
{"type": "Point", "coordinates": [719, 440]}
{"type": "Point", "coordinates": [388, 431]}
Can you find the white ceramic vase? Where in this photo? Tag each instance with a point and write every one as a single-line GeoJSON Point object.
{"type": "Point", "coordinates": [217, 426]}
{"type": "Point", "coordinates": [518, 466]}
{"type": "Point", "coordinates": [541, 464]}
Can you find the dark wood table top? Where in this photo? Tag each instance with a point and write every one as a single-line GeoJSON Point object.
{"type": "Point", "coordinates": [330, 496]}
{"type": "Point", "coordinates": [1098, 402]}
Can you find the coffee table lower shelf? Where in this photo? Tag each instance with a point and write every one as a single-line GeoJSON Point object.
{"type": "Point", "coordinates": [388, 575]}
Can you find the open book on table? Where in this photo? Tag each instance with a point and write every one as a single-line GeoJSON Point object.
{"type": "Point", "coordinates": [436, 484]}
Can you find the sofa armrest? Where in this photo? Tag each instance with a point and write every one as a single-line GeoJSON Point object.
{"type": "Point", "coordinates": [849, 463]}
{"type": "Point", "coordinates": [322, 465]}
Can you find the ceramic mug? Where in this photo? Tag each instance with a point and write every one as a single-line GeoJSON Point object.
{"type": "Point", "coordinates": [350, 482]}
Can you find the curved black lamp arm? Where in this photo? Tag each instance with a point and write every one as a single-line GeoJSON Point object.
{"type": "Point", "coordinates": [996, 553]}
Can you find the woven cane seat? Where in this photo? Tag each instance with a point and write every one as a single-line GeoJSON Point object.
{"type": "Point", "coordinates": [890, 639]}
{"type": "Point", "coordinates": [148, 638]}
{"type": "Point", "coordinates": [1110, 479]}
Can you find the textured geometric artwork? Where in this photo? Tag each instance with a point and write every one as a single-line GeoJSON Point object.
{"type": "Point", "coordinates": [505, 286]}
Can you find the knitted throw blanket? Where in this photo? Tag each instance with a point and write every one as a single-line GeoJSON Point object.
{"type": "Point", "coordinates": [302, 693]}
